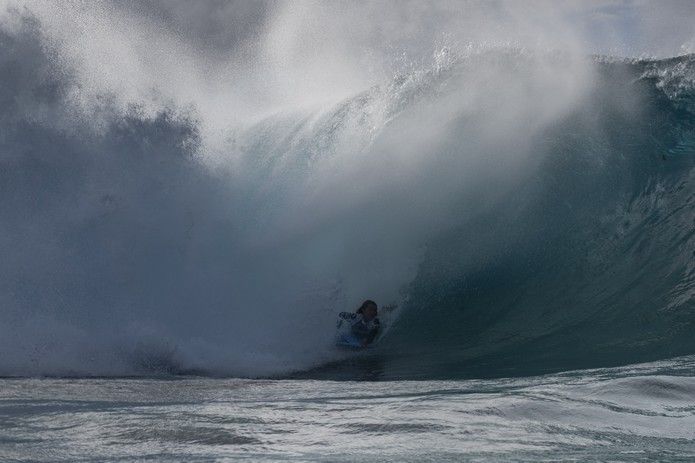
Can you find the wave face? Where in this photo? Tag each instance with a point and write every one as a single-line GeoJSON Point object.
{"type": "Point", "coordinates": [589, 261]}
{"type": "Point", "coordinates": [529, 212]}
{"type": "Point", "coordinates": [585, 259]}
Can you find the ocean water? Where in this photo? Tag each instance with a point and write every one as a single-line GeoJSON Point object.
{"type": "Point", "coordinates": [538, 221]}
{"type": "Point", "coordinates": [642, 412]}
{"type": "Point", "coordinates": [181, 221]}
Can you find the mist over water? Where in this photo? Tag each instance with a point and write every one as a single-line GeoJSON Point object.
{"type": "Point", "coordinates": [181, 198]}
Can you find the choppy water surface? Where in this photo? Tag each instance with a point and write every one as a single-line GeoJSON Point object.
{"type": "Point", "coordinates": [637, 413]}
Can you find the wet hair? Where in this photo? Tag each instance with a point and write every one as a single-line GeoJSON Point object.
{"type": "Point", "coordinates": [366, 304]}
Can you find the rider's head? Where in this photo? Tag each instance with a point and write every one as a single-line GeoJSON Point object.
{"type": "Point", "coordinates": [368, 310]}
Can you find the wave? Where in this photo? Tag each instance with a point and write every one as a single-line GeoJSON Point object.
{"type": "Point", "coordinates": [527, 211]}
{"type": "Point", "coordinates": [588, 262]}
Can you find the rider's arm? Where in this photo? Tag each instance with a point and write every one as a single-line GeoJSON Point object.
{"type": "Point", "coordinates": [373, 332]}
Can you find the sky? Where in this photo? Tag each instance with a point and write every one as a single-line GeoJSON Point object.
{"type": "Point", "coordinates": [622, 27]}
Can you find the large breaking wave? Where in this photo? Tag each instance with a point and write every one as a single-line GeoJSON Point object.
{"type": "Point", "coordinates": [528, 211]}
